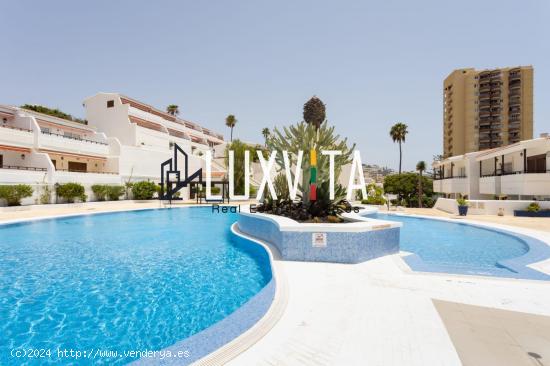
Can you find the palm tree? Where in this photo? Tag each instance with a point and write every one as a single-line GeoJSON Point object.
{"type": "Point", "coordinates": [420, 167]}
{"type": "Point", "coordinates": [173, 109]}
{"type": "Point", "coordinates": [231, 121]}
{"type": "Point", "coordinates": [266, 134]}
{"type": "Point", "coordinates": [398, 132]}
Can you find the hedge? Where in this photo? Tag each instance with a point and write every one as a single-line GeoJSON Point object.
{"type": "Point", "coordinates": [14, 194]}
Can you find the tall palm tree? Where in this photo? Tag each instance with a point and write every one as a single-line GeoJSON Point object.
{"type": "Point", "coordinates": [173, 109]}
{"type": "Point", "coordinates": [398, 132]}
{"type": "Point", "coordinates": [420, 167]}
{"type": "Point", "coordinates": [231, 121]}
{"type": "Point", "coordinates": [266, 133]}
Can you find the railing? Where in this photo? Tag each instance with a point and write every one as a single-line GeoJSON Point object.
{"type": "Point", "coordinates": [83, 171]}
{"type": "Point", "coordinates": [515, 172]}
{"type": "Point", "coordinates": [75, 138]}
{"type": "Point", "coordinates": [16, 128]}
{"type": "Point", "coordinates": [19, 167]}
{"type": "Point", "coordinates": [453, 177]}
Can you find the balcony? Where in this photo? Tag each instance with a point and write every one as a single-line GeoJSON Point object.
{"type": "Point", "coordinates": [489, 184]}
{"type": "Point", "coordinates": [10, 135]}
{"type": "Point", "coordinates": [85, 177]}
{"type": "Point", "coordinates": [458, 184]}
{"type": "Point", "coordinates": [53, 141]}
{"type": "Point", "coordinates": [526, 183]}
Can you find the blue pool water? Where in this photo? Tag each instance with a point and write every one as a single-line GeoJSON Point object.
{"type": "Point", "coordinates": [455, 246]}
{"type": "Point", "coordinates": [139, 280]}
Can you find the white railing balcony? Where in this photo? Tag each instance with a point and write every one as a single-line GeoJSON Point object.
{"type": "Point", "coordinates": [452, 185]}
{"type": "Point", "coordinates": [63, 176]}
{"type": "Point", "coordinates": [22, 175]}
{"type": "Point", "coordinates": [489, 184]}
{"type": "Point", "coordinates": [526, 183]}
{"type": "Point", "coordinates": [63, 143]}
{"type": "Point", "coordinates": [16, 136]}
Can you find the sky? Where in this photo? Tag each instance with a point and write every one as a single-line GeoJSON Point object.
{"type": "Point", "coordinates": [373, 63]}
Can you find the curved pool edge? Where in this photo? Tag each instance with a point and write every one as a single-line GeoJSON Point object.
{"type": "Point", "coordinates": [265, 323]}
{"type": "Point", "coordinates": [516, 268]}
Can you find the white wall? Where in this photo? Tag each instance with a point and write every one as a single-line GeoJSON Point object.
{"type": "Point", "coordinates": [487, 207]}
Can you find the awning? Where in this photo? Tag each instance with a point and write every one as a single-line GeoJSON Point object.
{"type": "Point", "coordinates": [73, 154]}
{"type": "Point", "coordinates": [15, 148]}
{"type": "Point", "coordinates": [147, 124]}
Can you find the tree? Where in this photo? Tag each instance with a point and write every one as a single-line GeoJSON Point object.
{"type": "Point", "coordinates": [305, 137]}
{"type": "Point", "coordinates": [266, 134]}
{"type": "Point", "coordinates": [420, 167]}
{"type": "Point", "coordinates": [314, 112]}
{"type": "Point", "coordinates": [231, 121]}
{"type": "Point", "coordinates": [398, 132]}
{"type": "Point", "coordinates": [173, 109]}
{"type": "Point", "coordinates": [405, 185]}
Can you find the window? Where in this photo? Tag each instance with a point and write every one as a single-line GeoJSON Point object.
{"type": "Point", "coordinates": [1, 161]}
{"type": "Point", "coordinates": [54, 165]}
{"type": "Point", "coordinates": [77, 167]}
{"type": "Point", "coordinates": [110, 103]}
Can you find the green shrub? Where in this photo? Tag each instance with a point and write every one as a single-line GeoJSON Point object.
{"type": "Point", "coordinates": [216, 190]}
{"type": "Point", "coordinates": [144, 190]}
{"type": "Point", "coordinates": [71, 191]}
{"type": "Point", "coordinates": [114, 192]}
{"type": "Point", "coordinates": [100, 191]}
{"type": "Point", "coordinates": [533, 207]}
{"type": "Point", "coordinates": [14, 194]}
{"type": "Point", "coordinates": [374, 201]}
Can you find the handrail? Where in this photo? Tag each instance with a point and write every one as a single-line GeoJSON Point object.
{"type": "Point", "coordinates": [16, 128]}
{"type": "Point", "coordinates": [86, 172]}
{"type": "Point", "coordinates": [453, 177]}
{"type": "Point", "coordinates": [74, 138]}
{"type": "Point", "coordinates": [19, 167]}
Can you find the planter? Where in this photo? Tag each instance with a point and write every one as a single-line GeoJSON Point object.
{"type": "Point", "coordinates": [462, 210]}
{"type": "Point", "coordinates": [525, 213]}
{"type": "Point", "coordinates": [358, 240]}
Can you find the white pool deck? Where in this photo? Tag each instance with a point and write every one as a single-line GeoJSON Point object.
{"type": "Point", "coordinates": [376, 313]}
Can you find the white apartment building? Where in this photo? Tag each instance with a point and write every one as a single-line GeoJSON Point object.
{"type": "Point", "coordinates": [520, 171]}
{"type": "Point", "coordinates": [125, 140]}
{"type": "Point", "coordinates": [143, 136]}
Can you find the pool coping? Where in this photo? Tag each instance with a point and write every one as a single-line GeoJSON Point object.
{"type": "Point", "coordinates": [276, 290]}
{"type": "Point", "coordinates": [518, 268]}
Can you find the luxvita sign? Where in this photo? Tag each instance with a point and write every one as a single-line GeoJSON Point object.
{"type": "Point", "coordinates": [268, 165]}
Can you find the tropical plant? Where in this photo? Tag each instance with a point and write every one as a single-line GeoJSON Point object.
{"type": "Point", "coordinates": [306, 137]}
{"type": "Point", "coordinates": [173, 109]}
{"type": "Point", "coordinates": [53, 112]}
{"type": "Point", "coordinates": [231, 121]}
{"type": "Point", "coordinates": [375, 195]}
{"type": "Point", "coordinates": [533, 207]}
{"type": "Point", "coordinates": [314, 112]}
{"type": "Point", "coordinates": [238, 147]}
{"type": "Point", "coordinates": [398, 133]}
{"type": "Point", "coordinates": [420, 167]}
{"type": "Point", "coordinates": [71, 191]}
{"type": "Point", "coordinates": [13, 194]}
{"type": "Point", "coordinates": [144, 190]}
{"type": "Point", "coordinates": [405, 185]}
{"type": "Point", "coordinates": [266, 133]}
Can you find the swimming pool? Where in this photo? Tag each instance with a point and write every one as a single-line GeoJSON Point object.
{"type": "Point", "coordinates": [136, 280]}
{"type": "Point", "coordinates": [443, 246]}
